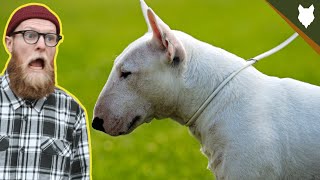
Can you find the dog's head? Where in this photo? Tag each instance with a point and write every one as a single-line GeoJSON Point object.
{"type": "Point", "coordinates": [144, 81]}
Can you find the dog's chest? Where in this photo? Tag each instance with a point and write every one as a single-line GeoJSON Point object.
{"type": "Point", "coordinates": [212, 146]}
{"type": "Point", "coordinates": [215, 161]}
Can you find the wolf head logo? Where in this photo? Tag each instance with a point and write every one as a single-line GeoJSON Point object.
{"type": "Point", "coordinates": [306, 16]}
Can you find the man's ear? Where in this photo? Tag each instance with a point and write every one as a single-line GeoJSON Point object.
{"type": "Point", "coordinates": [9, 43]}
{"type": "Point", "coordinates": [164, 37]}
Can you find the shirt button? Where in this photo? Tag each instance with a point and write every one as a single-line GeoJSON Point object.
{"type": "Point", "coordinates": [22, 150]}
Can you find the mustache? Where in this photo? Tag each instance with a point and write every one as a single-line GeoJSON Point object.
{"type": "Point", "coordinates": [38, 56]}
{"type": "Point", "coordinates": [43, 60]}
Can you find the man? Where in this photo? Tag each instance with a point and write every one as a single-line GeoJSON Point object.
{"type": "Point", "coordinates": [43, 133]}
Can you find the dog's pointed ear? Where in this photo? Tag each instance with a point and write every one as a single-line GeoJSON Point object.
{"type": "Point", "coordinates": [144, 8]}
{"type": "Point", "coordinates": [311, 8]}
{"type": "Point", "coordinates": [165, 38]}
{"type": "Point", "coordinates": [300, 8]}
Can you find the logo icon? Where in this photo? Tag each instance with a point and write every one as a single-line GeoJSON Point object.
{"type": "Point", "coordinates": [306, 16]}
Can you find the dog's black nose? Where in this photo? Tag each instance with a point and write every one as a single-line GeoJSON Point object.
{"type": "Point", "coordinates": [97, 124]}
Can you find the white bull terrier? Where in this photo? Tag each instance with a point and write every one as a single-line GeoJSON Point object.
{"type": "Point", "coordinates": [257, 127]}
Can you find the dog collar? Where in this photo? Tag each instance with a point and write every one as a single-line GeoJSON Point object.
{"type": "Point", "coordinates": [250, 62]}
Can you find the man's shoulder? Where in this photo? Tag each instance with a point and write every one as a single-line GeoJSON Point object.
{"type": "Point", "coordinates": [63, 95]}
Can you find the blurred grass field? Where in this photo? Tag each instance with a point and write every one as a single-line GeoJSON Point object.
{"type": "Point", "coordinates": [96, 31]}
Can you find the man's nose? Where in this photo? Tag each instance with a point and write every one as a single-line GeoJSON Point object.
{"type": "Point", "coordinates": [41, 43]}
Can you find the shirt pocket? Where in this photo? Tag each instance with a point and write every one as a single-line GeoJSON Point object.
{"type": "Point", "coordinates": [54, 146]}
{"type": "Point", "coordinates": [4, 142]}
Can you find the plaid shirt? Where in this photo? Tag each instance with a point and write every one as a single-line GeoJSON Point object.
{"type": "Point", "coordinates": [45, 139]}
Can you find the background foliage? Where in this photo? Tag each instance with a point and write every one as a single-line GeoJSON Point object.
{"type": "Point", "coordinates": [96, 31]}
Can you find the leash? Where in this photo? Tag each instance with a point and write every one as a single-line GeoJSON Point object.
{"type": "Point", "coordinates": [250, 62]}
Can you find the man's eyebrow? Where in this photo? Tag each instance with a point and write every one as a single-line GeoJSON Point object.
{"type": "Point", "coordinates": [34, 29]}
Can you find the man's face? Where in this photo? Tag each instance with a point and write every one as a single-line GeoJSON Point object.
{"type": "Point", "coordinates": [31, 68]}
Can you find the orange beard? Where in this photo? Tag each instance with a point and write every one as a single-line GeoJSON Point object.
{"type": "Point", "coordinates": [28, 84]}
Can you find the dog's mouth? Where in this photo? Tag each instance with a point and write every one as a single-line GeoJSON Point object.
{"type": "Point", "coordinates": [134, 123]}
{"type": "Point", "coordinates": [37, 64]}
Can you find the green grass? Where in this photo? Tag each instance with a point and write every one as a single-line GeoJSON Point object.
{"type": "Point", "coordinates": [96, 31]}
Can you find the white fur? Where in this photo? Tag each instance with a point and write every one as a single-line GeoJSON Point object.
{"type": "Point", "coordinates": [257, 127]}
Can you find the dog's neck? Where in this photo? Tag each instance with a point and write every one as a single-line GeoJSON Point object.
{"type": "Point", "coordinates": [207, 66]}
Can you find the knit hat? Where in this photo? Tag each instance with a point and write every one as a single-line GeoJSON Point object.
{"type": "Point", "coordinates": [30, 12]}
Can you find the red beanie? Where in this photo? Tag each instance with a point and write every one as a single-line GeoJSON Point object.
{"type": "Point", "coordinates": [30, 12]}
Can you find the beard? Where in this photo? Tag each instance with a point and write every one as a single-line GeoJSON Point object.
{"type": "Point", "coordinates": [29, 84]}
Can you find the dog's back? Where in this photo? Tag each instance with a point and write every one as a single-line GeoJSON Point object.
{"type": "Point", "coordinates": [296, 120]}
{"type": "Point", "coordinates": [271, 132]}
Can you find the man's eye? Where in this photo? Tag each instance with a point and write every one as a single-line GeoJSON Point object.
{"type": "Point", "coordinates": [48, 38]}
{"type": "Point", "coordinates": [125, 74]}
{"type": "Point", "coordinates": [30, 35]}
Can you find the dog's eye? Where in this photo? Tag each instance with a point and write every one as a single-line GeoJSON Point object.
{"type": "Point", "coordinates": [124, 74]}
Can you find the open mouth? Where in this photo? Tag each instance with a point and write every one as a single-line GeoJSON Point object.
{"type": "Point", "coordinates": [37, 64]}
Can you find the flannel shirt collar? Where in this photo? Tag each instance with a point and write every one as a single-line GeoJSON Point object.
{"type": "Point", "coordinates": [15, 101]}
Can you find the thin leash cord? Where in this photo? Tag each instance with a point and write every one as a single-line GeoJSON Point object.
{"type": "Point", "coordinates": [249, 63]}
{"type": "Point", "coordinates": [277, 48]}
